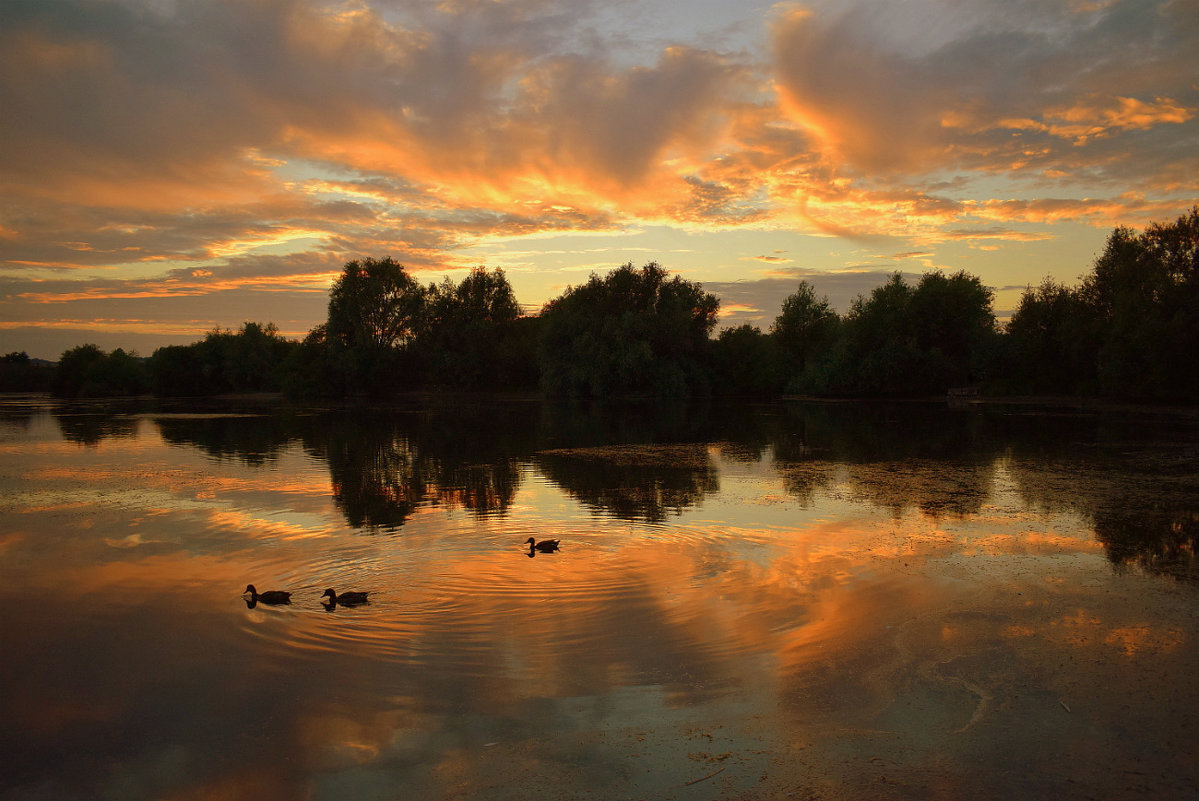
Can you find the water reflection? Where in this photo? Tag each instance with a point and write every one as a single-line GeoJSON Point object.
{"type": "Point", "coordinates": [253, 438]}
{"type": "Point", "coordinates": [1158, 540]}
{"type": "Point", "coordinates": [384, 467]}
{"type": "Point", "coordinates": [1133, 479]}
{"type": "Point", "coordinates": [633, 482]}
{"type": "Point", "coordinates": [91, 424]}
{"type": "Point", "coordinates": [895, 456]}
{"type": "Point", "coordinates": [650, 462]}
{"type": "Point", "coordinates": [799, 594]}
{"type": "Point", "coordinates": [384, 464]}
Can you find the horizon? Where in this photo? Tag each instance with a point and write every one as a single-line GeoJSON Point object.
{"type": "Point", "coordinates": [172, 168]}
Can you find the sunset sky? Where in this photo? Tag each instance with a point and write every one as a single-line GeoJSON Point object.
{"type": "Point", "coordinates": [168, 166]}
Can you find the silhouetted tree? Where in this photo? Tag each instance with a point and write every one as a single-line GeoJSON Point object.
{"type": "Point", "coordinates": [953, 325]}
{"type": "Point", "coordinates": [632, 332]}
{"type": "Point", "coordinates": [469, 332]}
{"type": "Point", "coordinates": [318, 368]}
{"type": "Point", "coordinates": [1050, 343]}
{"type": "Point", "coordinates": [747, 362]}
{"type": "Point", "coordinates": [1144, 293]}
{"type": "Point", "coordinates": [904, 340]}
{"type": "Point", "coordinates": [805, 326]}
{"type": "Point", "coordinates": [1130, 330]}
{"type": "Point", "coordinates": [176, 371]}
{"type": "Point", "coordinates": [374, 305]}
{"type": "Point", "coordinates": [19, 373]}
{"type": "Point", "coordinates": [375, 310]}
{"type": "Point", "coordinates": [87, 371]}
{"type": "Point", "coordinates": [249, 360]}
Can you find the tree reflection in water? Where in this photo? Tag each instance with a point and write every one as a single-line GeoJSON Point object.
{"type": "Point", "coordinates": [254, 438]}
{"type": "Point", "coordinates": [804, 628]}
{"type": "Point", "coordinates": [1162, 541]}
{"type": "Point", "coordinates": [642, 482]}
{"type": "Point", "coordinates": [647, 461]}
{"type": "Point", "coordinates": [90, 424]}
{"type": "Point", "coordinates": [1137, 489]}
{"type": "Point", "coordinates": [384, 464]}
{"type": "Point", "coordinates": [894, 456]}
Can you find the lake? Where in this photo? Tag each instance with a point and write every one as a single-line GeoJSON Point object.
{"type": "Point", "coordinates": [772, 601]}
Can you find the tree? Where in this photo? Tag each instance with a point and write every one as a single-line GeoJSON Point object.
{"type": "Point", "coordinates": [87, 371]}
{"type": "Point", "coordinates": [633, 332]}
{"type": "Point", "coordinates": [953, 325]}
{"type": "Point", "coordinates": [175, 371]}
{"type": "Point", "coordinates": [904, 340]}
{"type": "Point", "coordinates": [1049, 342]}
{"type": "Point", "coordinates": [19, 373]}
{"type": "Point", "coordinates": [469, 331]}
{"type": "Point", "coordinates": [748, 362]}
{"type": "Point", "coordinates": [804, 326]}
{"type": "Point", "coordinates": [374, 305]}
{"type": "Point", "coordinates": [878, 355]}
{"type": "Point", "coordinates": [1144, 293]}
{"type": "Point", "coordinates": [249, 360]}
{"type": "Point", "coordinates": [375, 311]}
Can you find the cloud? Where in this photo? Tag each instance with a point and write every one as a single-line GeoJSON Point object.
{"type": "Point", "coordinates": [195, 107]}
{"type": "Point", "coordinates": [759, 301]}
{"type": "Point", "coordinates": [1096, 117]}
{"type": "Point", "coordinates": [963, 87]}
{"type": "Point", "coordinates": [144, 144]}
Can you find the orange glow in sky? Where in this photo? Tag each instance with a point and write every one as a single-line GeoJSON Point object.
{"type": "Point", "coordinates": [171, 167]}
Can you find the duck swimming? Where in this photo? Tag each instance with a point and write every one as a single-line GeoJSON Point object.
{"type": "Point", "coordinates": [545, 546]}
{"type": "Point", "coordinates": [268, 597]}
{"type": "Point", "coordinates": [346, 598]}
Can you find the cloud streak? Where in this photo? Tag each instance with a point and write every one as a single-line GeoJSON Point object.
{"type": "Point", "coordinates": [153, 150]}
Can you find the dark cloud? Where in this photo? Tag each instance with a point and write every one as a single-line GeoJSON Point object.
{"type": "Point", "coordinates": [995, 92]}
{"type": "Point", "coordinates": [175, 153]}
{"type": "Point", "coordinates": [759, 301]}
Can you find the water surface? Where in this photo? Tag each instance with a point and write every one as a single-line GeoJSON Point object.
{"type": "Point", "coordinates": [831, 601]}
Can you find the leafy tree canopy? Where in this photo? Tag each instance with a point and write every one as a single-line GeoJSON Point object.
{"type": "Point", "coordinates": [374, 304]}
{"type": "Point", "coordinates": [634, 331]}
{"type": "Point", "coordinates": [804, 325]}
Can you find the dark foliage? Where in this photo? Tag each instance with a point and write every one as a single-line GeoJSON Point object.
{"type": "Point", "coordinates": [633, 332]}
{"type": "Point", "coordinates": [805, 326]}
{"type": "Point", "coordinates": [901, 340]}
{"type": "Point", "coordinates": [19, 373]}
{"type": "Point", "coordinates": [87, 371]}
{"type": "Point", "coordinates": [1130, 330]}
{"type": "Point", "coordinates": [747, 362]}
{"type": "Point", "coordinates": [376, 309]}
{"type": "Point", "coordinates": [471, 338]}
{"type": "Point", "coordinates": [250, 360]}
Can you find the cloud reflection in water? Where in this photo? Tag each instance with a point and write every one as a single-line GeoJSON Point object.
{"type": "Point", "coordinates": [814, 599]}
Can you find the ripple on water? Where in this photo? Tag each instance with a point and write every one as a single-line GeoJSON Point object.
{"type": "Point", "coordinates": [462, 600]}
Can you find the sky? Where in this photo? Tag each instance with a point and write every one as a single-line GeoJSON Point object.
{"type": "Point", "coordinates": [171, 166]}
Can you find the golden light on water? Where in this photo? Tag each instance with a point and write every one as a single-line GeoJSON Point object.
{"type": "Point", "coordinates": [715, 609]}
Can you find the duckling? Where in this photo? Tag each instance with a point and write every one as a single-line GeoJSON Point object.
{"type": "Point", "coordinates": [346, 598]}
{"type": "Point", "coordinates": [545, 546]}
{"type": "Point", "coordinates": [268, 597]}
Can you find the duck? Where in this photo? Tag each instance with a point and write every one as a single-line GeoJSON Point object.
{"type": "Point", "coordinates": [545, 546]}
{"type": "Point", "coordinates": [268, 597]}
{"type": "Point", "coordinates": [346, 598]}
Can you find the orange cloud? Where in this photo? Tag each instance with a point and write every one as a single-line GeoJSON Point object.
{"type": "Point", "coordinates": [211, 137]}
{"type": "Point", "coordinates": [1097, 117]}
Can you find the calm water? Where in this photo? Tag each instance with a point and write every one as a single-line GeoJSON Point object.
{"type": "Point", "coordinates": [784, 601]}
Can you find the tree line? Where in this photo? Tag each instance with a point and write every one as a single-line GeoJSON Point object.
{"type": "Point", "coordinates": [1128, 330]}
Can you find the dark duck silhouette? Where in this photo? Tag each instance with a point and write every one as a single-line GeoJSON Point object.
{"type": "Point", "coordinates": [346, 598]}
{"type": "Point", "coordinates": [545, 546]}
{"type": "Point", "coordinates": [268, 597]}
